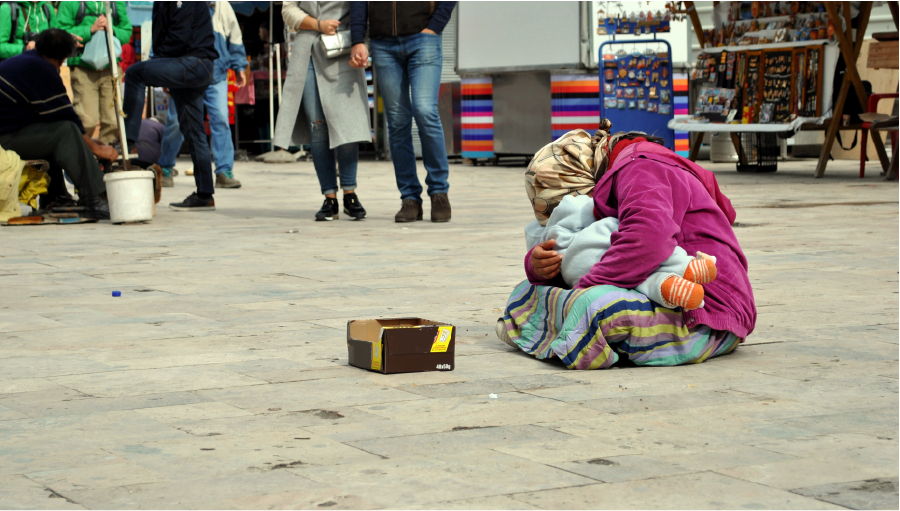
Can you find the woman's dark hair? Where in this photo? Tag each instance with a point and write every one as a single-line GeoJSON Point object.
{"type": "Point", "coordinates": [55, 44]}
{"type": "Point", "coordinates": [631, 135]}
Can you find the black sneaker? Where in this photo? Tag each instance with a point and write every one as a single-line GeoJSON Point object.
{"type": "Point", "coordinates": [194, 203]}
{"type": "Point", "coordinates": [353, 208]}
{"type": "Point", "coordinates": [329, 210]}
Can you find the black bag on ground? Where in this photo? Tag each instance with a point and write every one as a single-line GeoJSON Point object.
{"type": "Point", "coordinates": [852, 105]}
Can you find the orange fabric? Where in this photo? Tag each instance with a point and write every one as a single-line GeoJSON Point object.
{"type": "Point", "coordinates": [701, 271]}
{"type": "Point", "coordinates": [682, 293]}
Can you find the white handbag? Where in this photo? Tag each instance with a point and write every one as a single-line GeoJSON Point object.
{"type": "Point", "coordinates": [334, 45]}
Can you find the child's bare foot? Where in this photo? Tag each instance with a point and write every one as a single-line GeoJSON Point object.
{"type": "Point", "coordinates": [682, 293]}
{"type": "Point", "coordinates": [702, 270]}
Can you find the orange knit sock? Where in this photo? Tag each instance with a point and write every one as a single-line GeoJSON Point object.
{"type": "Point", "coordinates": [683, 293]}
{"type": "Point", "coordinates": [702, 270]}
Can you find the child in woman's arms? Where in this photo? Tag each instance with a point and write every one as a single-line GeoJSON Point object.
{"type": "Point", "coordinates": [582, 241]}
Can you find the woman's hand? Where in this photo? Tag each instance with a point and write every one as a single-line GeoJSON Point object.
{"type": "Point", "coordinates": [429, 31]}
{"type": "Point", "coordinates": [359, 56]}
{"type": "Point", "coordinates": [329, 27]}
{"type": "Point", "coordinates": [99, 24]}
{"type": "Point", "coordinates": [545, 261]}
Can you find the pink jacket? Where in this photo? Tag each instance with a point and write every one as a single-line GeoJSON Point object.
{"type": "Point", "coordinates": [661, 202]}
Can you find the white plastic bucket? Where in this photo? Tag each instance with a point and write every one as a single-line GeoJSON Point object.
{"type": "Point", "coordinates": [130, 195]}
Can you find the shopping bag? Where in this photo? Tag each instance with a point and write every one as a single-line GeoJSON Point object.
{"type": "Point", "coordinates": [96, 54]}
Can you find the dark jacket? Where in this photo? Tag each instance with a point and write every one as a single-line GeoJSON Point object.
{"type": "Point", "coordinates": [31, 91]}
{"type": "Point", "coordinates": [183, 29]}
{"type": "Point", "coordinates": [395, 19]}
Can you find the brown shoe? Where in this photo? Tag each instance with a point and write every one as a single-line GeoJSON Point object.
{"type": "Point", "coordinates": [410, 211]}
{"type": "Point", "coordinates": [440, 208]}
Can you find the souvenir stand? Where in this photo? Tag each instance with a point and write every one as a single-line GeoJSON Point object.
{"type": "Point", "coordinates": [638, 87]}
{"type": "Point", "coordinates": [770, 71]}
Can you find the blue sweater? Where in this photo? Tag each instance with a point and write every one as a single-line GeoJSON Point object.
{"type": "Point", "coordinates": [31, 91]}
{"type": "Point", "coordinates": [229, 42]}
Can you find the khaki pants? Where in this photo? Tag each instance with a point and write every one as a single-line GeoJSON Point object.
{"type": "Point", "coordinates": [93, 92]}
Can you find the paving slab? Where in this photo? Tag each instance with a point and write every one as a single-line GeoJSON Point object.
{"type": "Point", "coordinates": [219, 379]}
{"type": "Point", "coordinates": [702, 490]}
{"type": "Point", "coordinates": [868, 494]}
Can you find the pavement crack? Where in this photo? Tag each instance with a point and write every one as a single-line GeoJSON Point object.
{"type": "Point", "coordinates": [55, 495]}
{"type": "Point", "coordinates": [365, 451]}
{"type": "Point", "coordinates": [291, 464]}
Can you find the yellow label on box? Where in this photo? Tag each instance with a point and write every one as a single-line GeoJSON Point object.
{"type": "Point", "coordinates": [442, 339]}
{"type": "Point", "coordinates": [376, 352]}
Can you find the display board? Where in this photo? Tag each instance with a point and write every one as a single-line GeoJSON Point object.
{"type": "Point", "coordinates": [637, 87]}
{"type": "Point", "coordinates": [521, 36]}
{"type": "Point", "coordinates": [678, 34]}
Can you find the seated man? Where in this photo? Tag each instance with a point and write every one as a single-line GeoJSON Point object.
{"type": "Point", "coordinates": [149, 142]}
{"type": "Point", "coordinates": [38, 122]}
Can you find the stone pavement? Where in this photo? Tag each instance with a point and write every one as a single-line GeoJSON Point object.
{"type": "Point", "coordinates": [219, 379]}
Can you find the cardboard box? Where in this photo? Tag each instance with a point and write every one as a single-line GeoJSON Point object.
{"type": "Point", "coordinates": [401, 345]}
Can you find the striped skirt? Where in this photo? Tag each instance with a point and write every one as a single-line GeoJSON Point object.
{"type": "Point", "coordinates": [592, 328]}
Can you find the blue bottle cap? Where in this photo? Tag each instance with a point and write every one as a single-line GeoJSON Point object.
{"type": "Point", "coordinates": [117, 293]}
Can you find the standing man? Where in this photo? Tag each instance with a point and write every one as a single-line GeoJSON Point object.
{"type": "Point", "coordinates": [183, 55]}
{"type": "Point", "coordinates": [92, 88]}
{"type": "Point", "coordinates": [232, 55]}
{"type": "Point", "coordinates": [407, 55]}
{"type": "Point", "coordinates": [20, 23]}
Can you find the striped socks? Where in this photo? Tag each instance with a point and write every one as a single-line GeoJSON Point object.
{"type": "Point", "coordinates": [682, 293]}
{"type": "Point", "coordinates": [688, 292]}
{"type": "Point", "coordinates": [702, 270]}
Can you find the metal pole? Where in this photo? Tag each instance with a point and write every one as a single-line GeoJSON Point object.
{"type": "Point", "coordinates": [278, 70]}
{"type": "Point", "coordinates": [271, 87]}
{"type": "Point", "coordinates": [114, 74]}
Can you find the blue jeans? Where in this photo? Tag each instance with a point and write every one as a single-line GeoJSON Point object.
{"type": "Point", "coordinates": [216, 101]}
{"type": "Point", "coordinates": [322, 154]}
{"type": "Point", "coordinates": [187, 79]}
{"type": "Point", "coordinates": [413, 64]}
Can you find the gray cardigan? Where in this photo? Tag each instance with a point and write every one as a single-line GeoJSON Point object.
{"type": "Point", "coordinates": [342, 88]}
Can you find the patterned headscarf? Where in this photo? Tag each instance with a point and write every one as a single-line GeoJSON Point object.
{"type": "Point", "coordinates": [569, 166]}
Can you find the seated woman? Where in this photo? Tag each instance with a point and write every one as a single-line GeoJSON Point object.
{"type": "Point", "coordinates": [662, 201]}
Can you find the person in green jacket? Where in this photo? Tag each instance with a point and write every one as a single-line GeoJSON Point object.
{"type": "Point", "coordinates": [92, 88]}
{"type": "Point", "coordinates": [31, 18]}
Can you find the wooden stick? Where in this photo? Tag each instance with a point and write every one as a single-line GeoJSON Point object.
{"type": "Point", "coordinates": [736, 140]}
{"type": "Point", "coordinates": [848, 53]}
{"type": "Point", "coordinates": [695, 21]}
{"type": "Point", "coordinates": [695, 146]}
{"type": "Point", "coordinates": [833, 127]}
{"type": "Point", "coordinates": [838, 107]}
{"type": "Point", "coordinates": [114, 74]}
